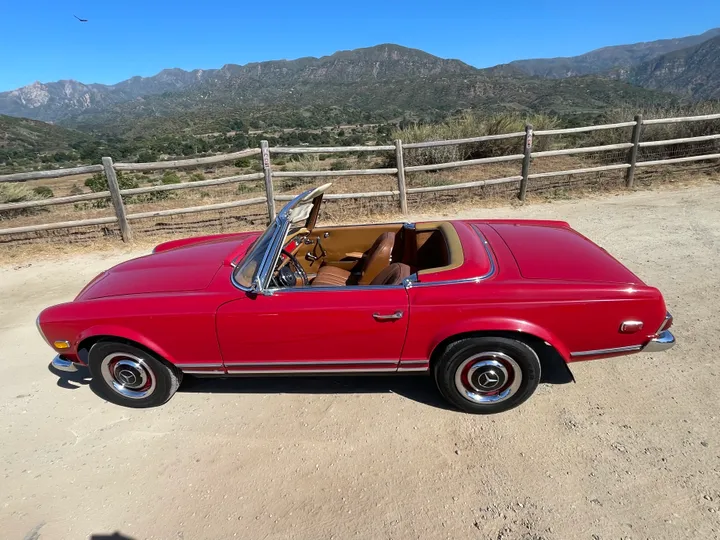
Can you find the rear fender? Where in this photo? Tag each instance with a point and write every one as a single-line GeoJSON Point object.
{"type": "Point", "coordinates": [500, 325]}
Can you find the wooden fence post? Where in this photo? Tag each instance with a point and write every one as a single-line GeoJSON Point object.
{"type": "Point", "coordinates": [400, 164]}
{"type": "Point", "coordinates": [632, 158]}
{"type": "Point", "coordinates": [267, 169]}
{"type": "Point", "coordinates": [114, 188]}
{"type": "Point", "coordinates": [527, 150]}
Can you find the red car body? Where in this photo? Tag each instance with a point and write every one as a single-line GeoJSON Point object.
{"type": "Point", "coordinates": [536, 278]}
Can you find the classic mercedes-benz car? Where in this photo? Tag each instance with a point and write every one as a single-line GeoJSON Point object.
{"type": "Point", "coordinates": [484, 306]}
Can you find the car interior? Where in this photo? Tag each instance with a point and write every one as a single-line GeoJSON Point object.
{"type": "Point", "coordinates": [362, 255]}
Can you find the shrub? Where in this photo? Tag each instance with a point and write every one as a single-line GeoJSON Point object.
{"type": "Point", "coordinates": [304, 162]}
{"type": "Point", "coordinates": [657, 132]}
{"type": "Point", "coordinates": [245, 162]}
{"type": "Point", "coordinates": [468, 126]}
{"type": "Point", "coordinates": [43, 192]}
{"type": "Point", "coordinates": [170, 178]}
{"type": "Point", "coordinates": [197, 177]}
{"type": "Point", "coordinates": [12, 192]}
{"type": "Point", "coordinates": [97, 182]}
{"type": "Point", "coordinates": [248, 187]}
{"type": "Point", "coordinates": [15, 193]}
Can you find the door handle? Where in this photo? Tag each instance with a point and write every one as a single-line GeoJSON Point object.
{"type": "Point", "coordinates": [390, 317]}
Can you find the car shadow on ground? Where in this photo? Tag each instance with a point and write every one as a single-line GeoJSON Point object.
{"type": "Point", "coordinates": [416, 387]}
{"type": "Point", "coordinates": [420, 388]}
{"type": "Point", "coordinates": [71, 381]}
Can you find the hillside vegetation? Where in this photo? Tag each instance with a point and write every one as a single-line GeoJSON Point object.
{"type": "Point", "coordinates": [350, 97]}
{"type": "Point", "coordinates": [693, 72]}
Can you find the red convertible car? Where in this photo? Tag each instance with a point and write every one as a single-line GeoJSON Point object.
{"type": "Point", "coordinates": [481, 305]}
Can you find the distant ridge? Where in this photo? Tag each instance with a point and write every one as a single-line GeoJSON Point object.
{"type": "Point", "coordinates": [608, 58]}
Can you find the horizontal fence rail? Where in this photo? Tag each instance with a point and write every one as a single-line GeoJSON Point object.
{"type": "Point", "coordinates": [57, 173]}
{"type": "Point", "coordinates": [584, 129]}
{"type": "Point", "coordinates": [682, 119]}
{"type": "Point", "coordinates": [328, 149]}
{"type": "Point", "coordinates": [395, 154]}
{"type": "Point", "coordinates": [183, 163]}
{"type": "Point", "coordinates": [348, 172]}
{"type": "Point", "coordinates": [452, 142]}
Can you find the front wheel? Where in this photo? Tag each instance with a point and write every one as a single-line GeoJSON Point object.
{"type": "Point", "coordinates": [129, 376]}
{"type": "Point", "coordinates": [487, 375]}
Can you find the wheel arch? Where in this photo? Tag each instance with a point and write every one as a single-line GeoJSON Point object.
{"type": "Point", "coordinates": [125, 335]}
{"type": "Point", "coordinates": [552, 360]}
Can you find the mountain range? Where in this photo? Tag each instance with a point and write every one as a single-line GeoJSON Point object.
{"type": "Point", "coordinates": [385, 83]}
{"type": "Point", "coordinates": [607, 59]}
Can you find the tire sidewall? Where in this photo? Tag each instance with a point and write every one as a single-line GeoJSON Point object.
{"type": "Point", "coordinates": [166, 379]}
{"type": "Point", "coordinates": [455, 354]}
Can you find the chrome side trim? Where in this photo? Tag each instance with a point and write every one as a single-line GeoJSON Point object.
{"type": "Point", "coordinates": [312, 363]}
{"type": "Point", "coordinates": [615, 350]}
{"type": "Point", "coordinates": [406, 362]}
{"type": "Point", "coordinates": [312, 371]}
{"type": "Point", "coordinates": [207, 365]}
{"type": "Point", "coordinates": [402, 369]}
{"type": "Point", "coordinates": [339, 288]}
{"type": "Point", "coordinates": [204, 372]}
{"type": "Point", "coordinates": [409, 283]}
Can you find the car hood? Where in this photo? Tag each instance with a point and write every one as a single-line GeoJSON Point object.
{"type": "Point", "coordinates": [560, 253]}
{"type": "Point", "coordinates": [190, 267]}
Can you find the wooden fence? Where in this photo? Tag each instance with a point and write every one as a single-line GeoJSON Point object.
{"type": "Point", "coordinates": [524, 176]}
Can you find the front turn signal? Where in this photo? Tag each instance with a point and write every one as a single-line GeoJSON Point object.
{"type": "Point", "coordinates": [61, 344]}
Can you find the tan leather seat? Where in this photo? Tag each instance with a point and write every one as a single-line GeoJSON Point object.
{"type": "Point", "coordinates": [331, 276]}
{"type": "Point", "coordinates": [375, 259]}
{"type": "Point", "coordinates": [392, 275]}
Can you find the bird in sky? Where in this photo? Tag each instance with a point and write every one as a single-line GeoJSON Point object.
{"type": "Point", "coordinates": [79, 19]}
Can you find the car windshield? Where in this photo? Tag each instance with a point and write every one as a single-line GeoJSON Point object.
{"type": "Point", "coordinates": [251, 262]}
{"type": "Point", "coordinates": [295, 214]}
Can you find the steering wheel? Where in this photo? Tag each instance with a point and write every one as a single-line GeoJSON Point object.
{"type": "Point", "coordinates": [285, 277]}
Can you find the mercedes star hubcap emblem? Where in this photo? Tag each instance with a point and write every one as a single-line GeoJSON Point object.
{"type": "Point", "coordinates": [126, 376]}
{"type": "Point", "coordinates": [488, 379]}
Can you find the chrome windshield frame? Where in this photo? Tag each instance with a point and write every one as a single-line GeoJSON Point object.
{"type": "Point", "coordinates": [261, 278]}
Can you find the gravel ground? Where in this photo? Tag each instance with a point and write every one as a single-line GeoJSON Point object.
{"type": "Point", "coordinates": [632, 450]}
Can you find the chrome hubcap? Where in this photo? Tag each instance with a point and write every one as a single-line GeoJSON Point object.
{"type": "Point", "coordinates": [128, 375]}
{"type": "Point", "coordinates": [488, 377]}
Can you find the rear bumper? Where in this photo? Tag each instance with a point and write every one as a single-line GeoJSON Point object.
{"type": "Point", "coordinates": [664, 341]}
{"type": "Point", "coordinates": [63, 365]}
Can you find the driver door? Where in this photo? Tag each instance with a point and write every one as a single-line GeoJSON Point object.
{"type": "Point", "coordinates": [348, 329]}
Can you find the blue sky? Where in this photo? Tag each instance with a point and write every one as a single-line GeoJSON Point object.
{"type": "Point", "coordinates": [40, 40]}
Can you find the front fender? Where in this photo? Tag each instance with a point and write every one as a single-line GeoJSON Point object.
{"type": "Point", "coordinates": [499, 324]}
{"type": "Point", "coordinates": [112, 330]}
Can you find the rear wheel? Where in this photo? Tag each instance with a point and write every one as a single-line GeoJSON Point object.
{"type": "Point", "coordinates": [487, 375]}
{"type": "Point", "coordinates": [130, 376]}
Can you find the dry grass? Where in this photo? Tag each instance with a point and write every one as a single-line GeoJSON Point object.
{"type": "Point", "coordinates": [352, 210]}
{"type": "Point", "coordinates": [148, 233]}
{"type": "Point", "coordinates": [468, 126]}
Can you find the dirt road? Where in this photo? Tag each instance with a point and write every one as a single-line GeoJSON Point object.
{"type": "Point", "coordinates": [632, 450]}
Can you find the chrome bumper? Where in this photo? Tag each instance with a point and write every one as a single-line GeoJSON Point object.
{"type": "Point", "coordinates": [663, 342]}
{"type": "Point", "coordinates": [64, 365]}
